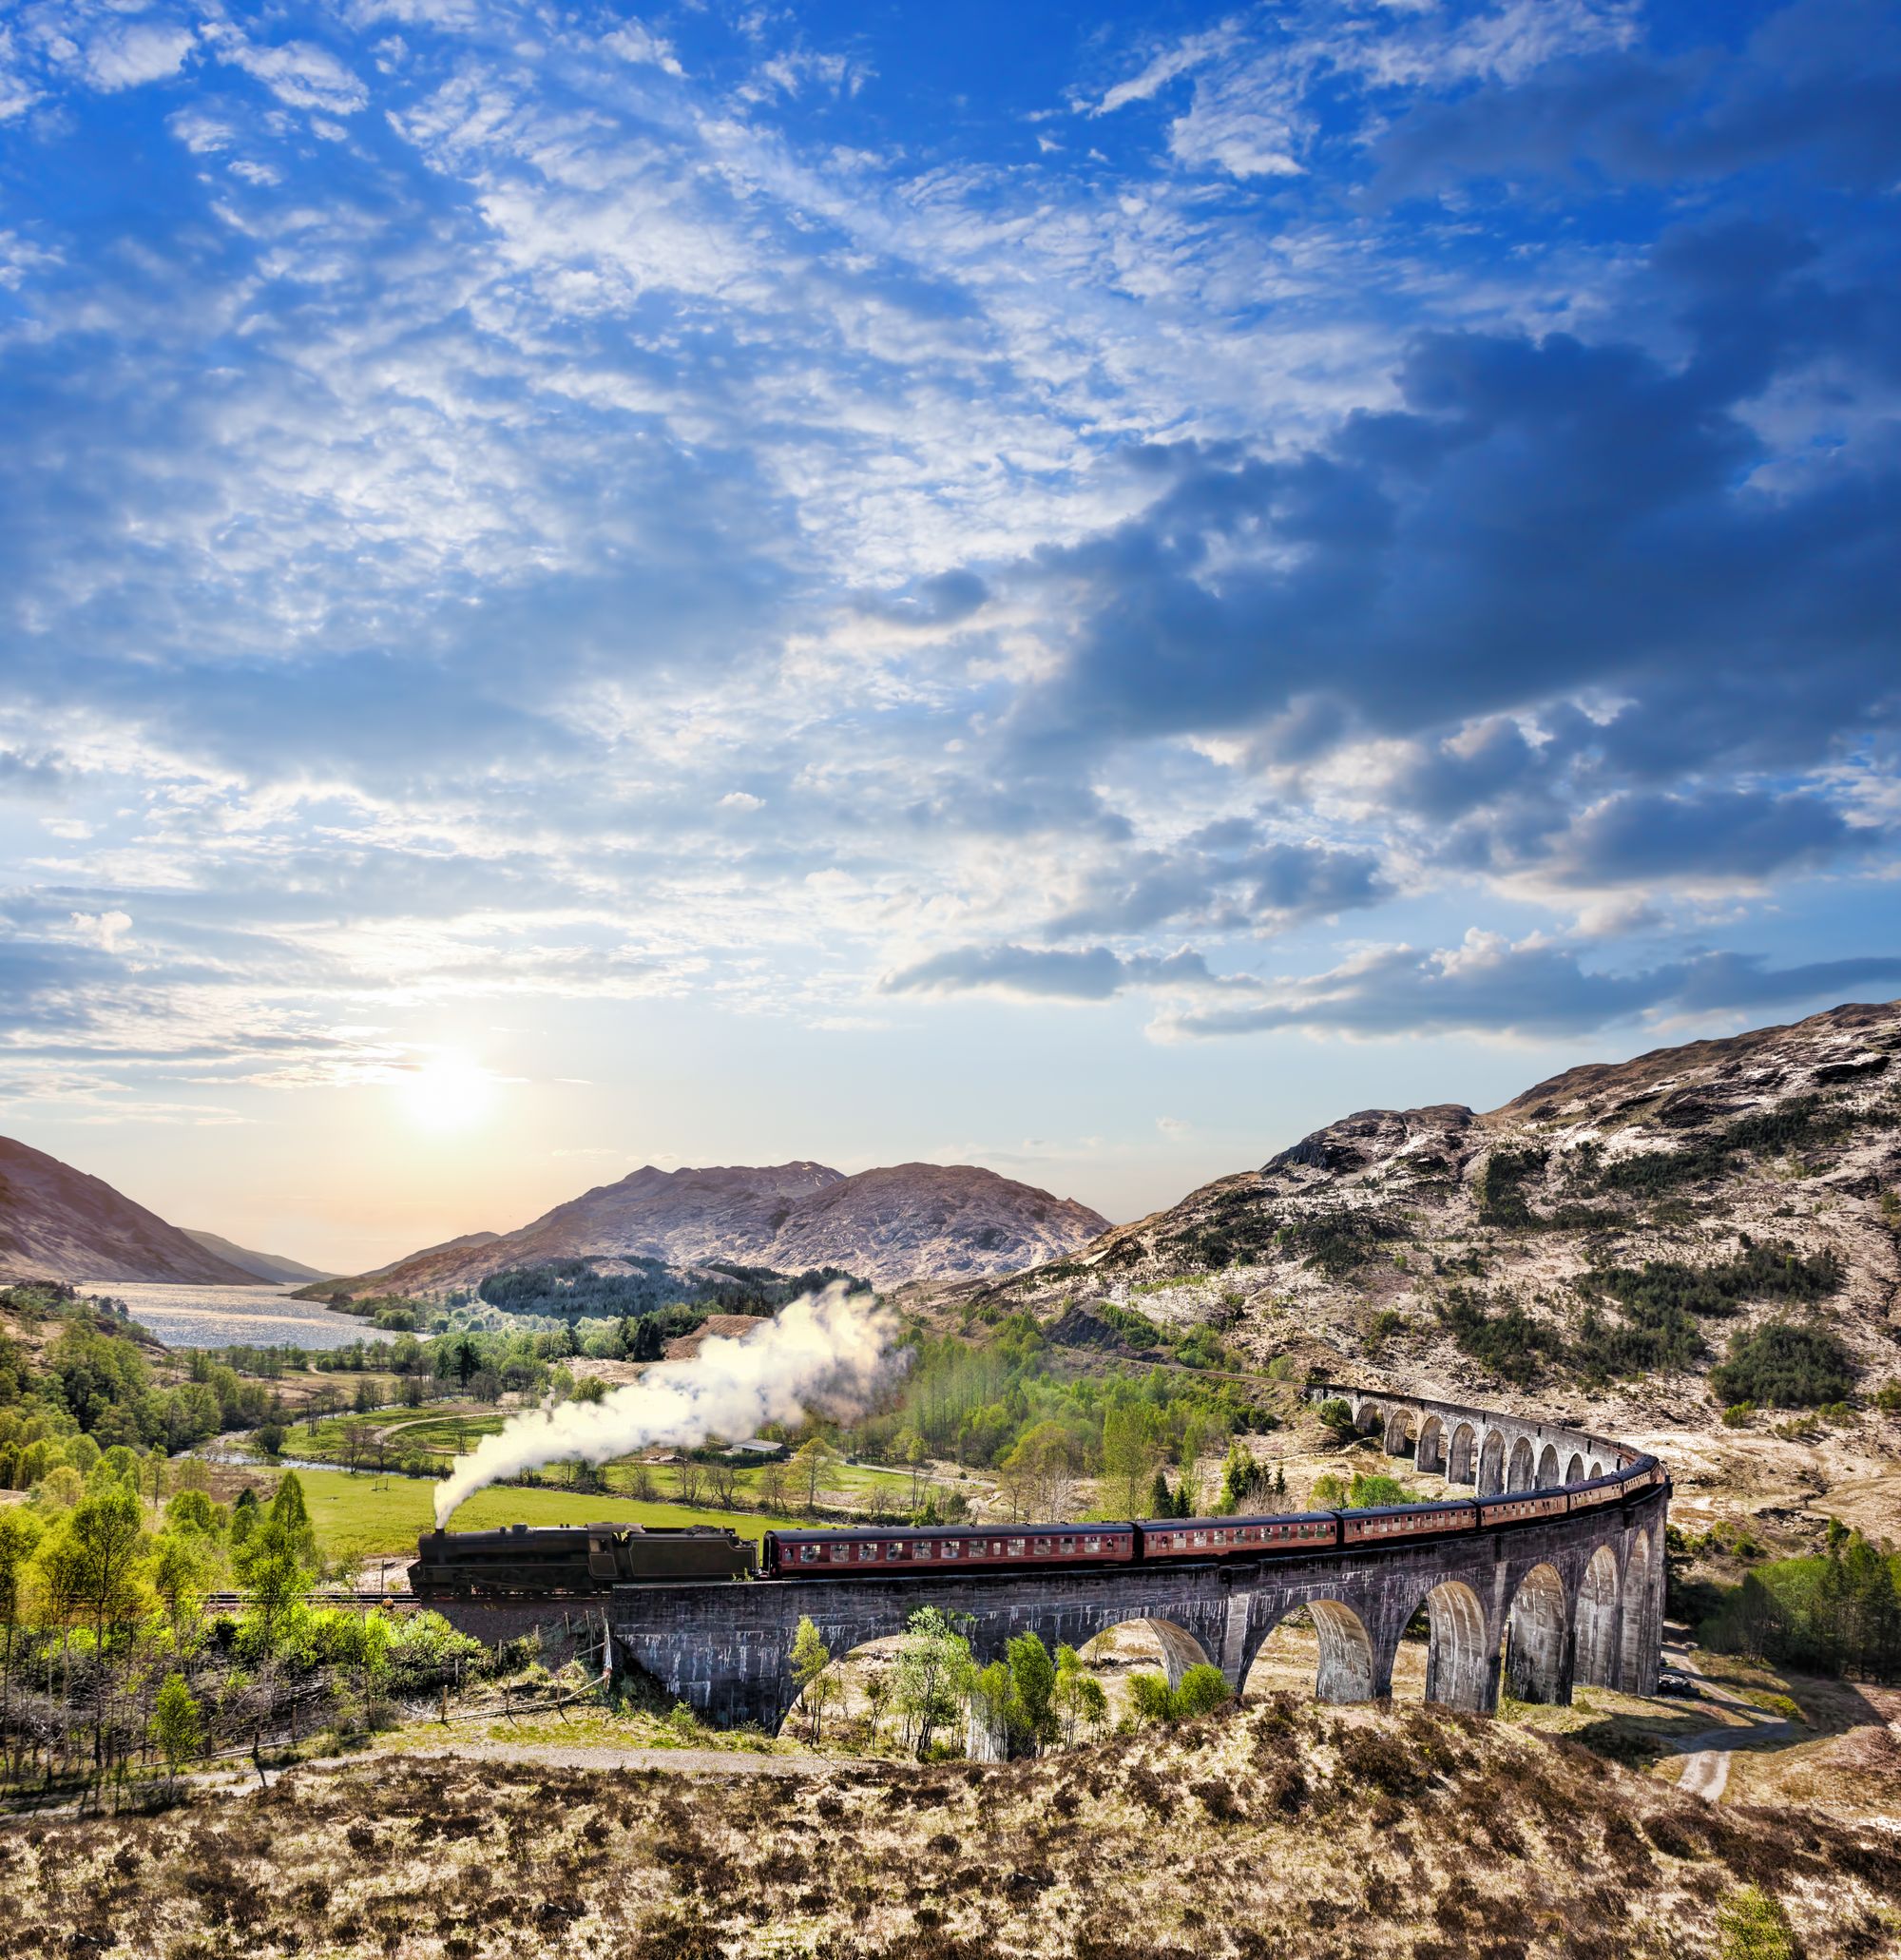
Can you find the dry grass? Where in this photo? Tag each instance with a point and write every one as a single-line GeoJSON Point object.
{"type": "Point", "coordinates": [1277, 1830]}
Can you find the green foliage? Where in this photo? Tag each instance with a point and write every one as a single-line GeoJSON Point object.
{"type": "Point", "coordinates": [1078, 1698]}
{"type": "Point", "coordinates": [931, 1678]}
{"type": "Point", "coordinates": [678, 1301]}
{"type": "Point", "coordinates": [1798, 1124]}
{"type": "Point", "coordinates": [1751, 1925]}
{"type": "Point", "coordinates": [1784, 1366]}
{"type": "Point", "coordinates": [1029, 1704]}
{"type": "Point", "coordinates": [1508, 1341]}
{"type": "Point", "coordinates": [1888, 1397]}
{"type": "Point", "coordinates": [1336, 1415]}
{"type": "Point", "coordinates": [1203, 1689]}
{"type": "Point", "coordinates": [1839, 1613]}
{"type": "Point", "coordinates": [178, 1729]}
{"type": "Point", "coordinates": [810, 1659]}
{"type": "Point", "coordinates": [1367, 1492]}
{"type": "Point", "coordinates": [1340, 1242]}
{"type": "Point", "coordinates": [1500, 1193]}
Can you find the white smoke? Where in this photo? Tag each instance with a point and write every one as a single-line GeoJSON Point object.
{"type": "Point", "coordinates": [825, 1352]}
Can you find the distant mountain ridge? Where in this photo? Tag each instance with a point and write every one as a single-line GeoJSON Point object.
{"type": "Point", "coordinates": [271, 1267]}
{"type": "Point", "coordinates": [59, 1224]}
{"type": "Point", "coordinates": [901, 1221]}
{"type": "Point", "coordinates": [1607, 1230]}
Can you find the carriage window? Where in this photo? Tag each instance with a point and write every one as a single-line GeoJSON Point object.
{"type": "Point", "coordinates": [841, 1554]}
{"type": "Point", "coordinates": [866, 1554]}
{"type": "Point", "coordinates": [921, 1549]}
{"type": "Point", "coordinates": [1042, 1548]}
{"type": "Point", "coordinates": [894, 1550]}
{"type": "Point", "coordinates": [1069, 1545]}
{"type": "Point", "coordinates": [1016, 1548]}
{"type": "Point", "coordinates": [1092, 1545]}
{"type": "Point", "coordinates": [997, 1547]}
{"type": "Point", "coordinates": [952, 1549]}
{"type": "Point", "coordinates": [807, 1554]}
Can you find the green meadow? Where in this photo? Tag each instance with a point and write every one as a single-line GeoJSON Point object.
{"type": "Point", "coordinates": [364, 1517]}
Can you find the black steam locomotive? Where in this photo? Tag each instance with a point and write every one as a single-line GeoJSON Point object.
{"type": "Point", "coordinates": [552, 1562]}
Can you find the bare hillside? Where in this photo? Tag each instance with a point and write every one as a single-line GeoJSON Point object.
{"type": "Point", "coordinates": [905, 1222]}
{"type": "Point", "coordinates": [59, 1223]}
{"type": "Point", "coordinates": [1595, 1243]}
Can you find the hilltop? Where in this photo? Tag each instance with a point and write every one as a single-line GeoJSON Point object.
{"type": "Point", "coordinates": [904, 1221]}
{"type": "Point", "coordinates": [59, 1224]}
{"type": "Point", "coordinates": [1596, 1244]}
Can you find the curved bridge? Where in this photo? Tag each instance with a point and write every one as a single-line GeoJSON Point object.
{"type": "Point", "coordinates": [1535, 1605]}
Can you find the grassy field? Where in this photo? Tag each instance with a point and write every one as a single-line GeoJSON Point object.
{"type": "Point", "coordinates": [444, 1433]}
{"type": "Point", "coordinates": [365, 1517]}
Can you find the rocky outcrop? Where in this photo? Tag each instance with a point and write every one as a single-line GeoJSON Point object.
{"type": "Point", "coordinates": [59, 1223]}
{"type": "Point", "coordinates": [1388, 1238]}
{"type": "Point", "coordinates": [904, 1221]}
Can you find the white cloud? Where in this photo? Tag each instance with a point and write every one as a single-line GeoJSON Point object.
{"type": "Point", "coordinates": [639, 44]}
{"type": "Point", "coordinates": [138, 52]}
{"type": "Point", "coordinates": [104, 930]}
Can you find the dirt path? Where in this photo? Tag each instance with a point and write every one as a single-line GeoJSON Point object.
{"type": "Point", "coordinates": [1706, 1772]}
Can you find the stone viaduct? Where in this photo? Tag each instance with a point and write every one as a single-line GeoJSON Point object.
{"type": "Point", "coordinates": [1535, 1607]}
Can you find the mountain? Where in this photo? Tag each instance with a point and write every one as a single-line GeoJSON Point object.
{"type": "Point", "coordinates": [57, 1222]}
{"type": "Point", "coordinates": [1604, 1236]}
{"type": "Point", "coordinates": [904, 1221]}
{"type": "Point", "coordinates": [268, 1266]}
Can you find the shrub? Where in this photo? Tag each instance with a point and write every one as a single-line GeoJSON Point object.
{"type": "Point", "coordinates": [1510, 1342]}
{"type": "Point", "coordinates": [1784, 1366]}
{"type": "Point", "coordinates": [1736, 1415]}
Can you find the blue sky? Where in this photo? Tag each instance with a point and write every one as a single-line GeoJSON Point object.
{"type": "Point", "coordinates": [1081, 589]}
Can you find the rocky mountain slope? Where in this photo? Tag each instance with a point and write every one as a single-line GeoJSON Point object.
{"type": "Point", "coordinates": [268, 1266]}
{"type": "Point", "coordinates": [905, 1222]}
{"type": "Point", "coordinates": [1595, 1243]}
{"type": "Point", "coordinates": [59, 1223]}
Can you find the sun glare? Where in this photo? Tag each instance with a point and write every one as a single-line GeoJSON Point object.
{"type": "Point", "coordinates": [447, 1092]}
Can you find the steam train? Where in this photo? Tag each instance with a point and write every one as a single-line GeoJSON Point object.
{"type": "Point", "coordinates": [563, 1561]}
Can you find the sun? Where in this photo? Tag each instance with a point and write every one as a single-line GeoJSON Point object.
{"type": "Point", "coordinates": [449, 1091]}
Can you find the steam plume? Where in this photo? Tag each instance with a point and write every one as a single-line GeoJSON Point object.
{"type": "Point", "coordinates": [824, 1352]}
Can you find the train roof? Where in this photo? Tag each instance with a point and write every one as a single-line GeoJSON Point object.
{"type": "Point", "coordinates": [1279, 1517]}
{"type": "Point", "coordinates": [1408, 1510]}
{"type": "Point", "coordinates": [977, 1527]}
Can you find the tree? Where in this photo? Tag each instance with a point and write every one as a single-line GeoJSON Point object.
{"type": "Point", "coordinates": [725, 1477]}
{"type": "Point", "coordinates": [688, 1479]}
{"type": "Point", "coordinates": [192, 1510]}
{"type": "Point", "coordinates": [810, 1665]}
{"type": "Point", "coordinates": [19, 1539]}
{"type": "Point", "coordinates": [1130, 1454]}
{"type": "Point", "coordinates": [771, 1486]}
{"type": "Point", "coordinates": [290, 1517]}
{"type": "Point", "coordinates": [1149, 1693]}
{"type": "Point", "coordinates": [178, 1729]}
{"type": "Point", "coordinates": [1078, 1697]}
{"type": "Point", "coordinates": [108, 1541]}
{"type": "Point", "coordinates": [1202, 1690]}
{"type": "Point", "coordinates": [353, 1440]}
{"type": "Point", "coordinates": [877, 1692]}
{"type": "Point", "coordinates": [814, 1462]}
{"type": "Point", "coordinates": [182, 1565]}
{"type": "Point", "coordinates": [1032, 1680]}
{"type": "Point", "coordinates": [1160, 1498]}
{"type": "Point", "coordinates": [933, 1669]}
{"type": "Point", "coordinates": [244, 1516]}
{"type": "Point", "coordinates": [1042, 1467]}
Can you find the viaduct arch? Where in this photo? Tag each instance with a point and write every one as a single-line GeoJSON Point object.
{"type": "Point", "coordinates": [1581, 1594]}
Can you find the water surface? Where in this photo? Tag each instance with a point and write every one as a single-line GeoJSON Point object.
{"type": "Point", "coordinates": [221, 1317]}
